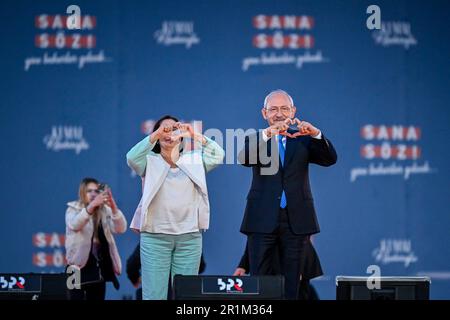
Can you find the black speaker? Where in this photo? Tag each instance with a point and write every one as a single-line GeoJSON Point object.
{"type": "Point", "coordinates": [33, 286]}
{"type": "Point", "coordinates": [228, 287]}
{"type": "Point", "coordinates": [390, 288]}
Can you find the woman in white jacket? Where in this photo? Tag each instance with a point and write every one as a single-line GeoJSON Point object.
{"type": "Point", "coordinates": [90, 246]}
{"type": "Point", "coordinates": [174, 208]}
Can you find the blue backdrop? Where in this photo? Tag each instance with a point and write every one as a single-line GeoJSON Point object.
{"type": "Point", "coordinates": [73, 102]}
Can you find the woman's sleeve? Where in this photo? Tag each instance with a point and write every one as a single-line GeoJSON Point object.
{"type": "Point", "coordinates": [118, 223]}
{"type": "Point", "coordinates": [137, 156]}
{"type": "Point", "coordinates": [212, 154]}
{"type": "Point", "coordinates": [76, 220]}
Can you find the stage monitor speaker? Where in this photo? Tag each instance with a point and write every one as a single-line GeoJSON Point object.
{"type": "Point", "coordinates": [33, 286]}
{"type": "Point", "coordinates": [390, 288]}
{"type": "Point", "coordinates": [228, 287]}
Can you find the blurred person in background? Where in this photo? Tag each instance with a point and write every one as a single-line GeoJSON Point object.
{"type": "Point", "coordinates": [91, 222]}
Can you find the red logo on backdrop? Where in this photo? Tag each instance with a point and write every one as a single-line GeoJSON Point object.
{"type": "Point", "coordinates": [51, 247]}
{"type": "Point", "coordinates": [390, 142]}
{"type": "Point", "coordinates": [285, 32]}
{"type": "Point", "coordinates": [53, 34]}
{"type": "Point", "coordinates": [57, 44]}
{"type": "Point", "coordinates": [391, 150]}
{"type": "Point", "coordinates": [277, 36]}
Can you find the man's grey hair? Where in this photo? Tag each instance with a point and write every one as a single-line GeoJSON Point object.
{"type": "Point", "coordinates": [278, 91]}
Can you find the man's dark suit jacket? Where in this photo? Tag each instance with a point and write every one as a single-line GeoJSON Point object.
{"type": "Point", "coordinates": [263, 201]}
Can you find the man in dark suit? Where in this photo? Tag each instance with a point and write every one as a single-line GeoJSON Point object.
{"type": "Point", "coordinates": [280, 210]}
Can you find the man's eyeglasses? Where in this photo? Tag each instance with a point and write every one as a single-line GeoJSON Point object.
{"type": "Point", "coordinates": [93, 190]}
{"type": "Point", "coordinates": [283, 109]}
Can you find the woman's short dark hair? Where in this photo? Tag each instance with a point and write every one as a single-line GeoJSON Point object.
{"type": "Point", "coordinates": [157, 147]}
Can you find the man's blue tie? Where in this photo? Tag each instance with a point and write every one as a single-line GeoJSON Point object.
{"type": "Point", "coordinates": [283, 201]}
